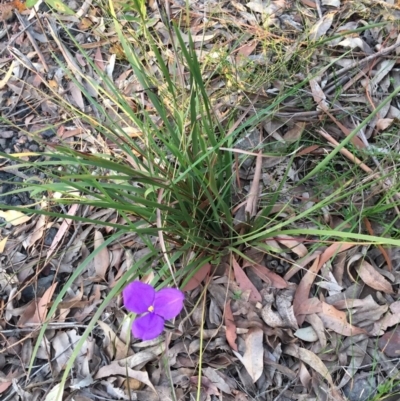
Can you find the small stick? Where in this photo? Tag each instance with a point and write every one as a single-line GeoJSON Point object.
{"type": "Point", "coordinates": [251, 205]}
{"type": "Point", "coordinates": [32, 40]}
{"type": "Point", "coordinates": [386, 184]}
{"type": "Point", "coordinates": [345, 152]}
{"type": "Point", "coordinates": [319, 11]}
{"type": "Point", "coordinates": [359, 63]}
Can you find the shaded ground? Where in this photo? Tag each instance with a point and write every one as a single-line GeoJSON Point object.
{"type": "Point", "coordinates": [305, 319]}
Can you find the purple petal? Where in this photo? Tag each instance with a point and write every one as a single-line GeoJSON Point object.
{"type": "Point", "coordinates": [138, 297]}
{"type": "Point", "coordinates": [168, 303]}
{"type": "Point", "coordinates": [148, 326]}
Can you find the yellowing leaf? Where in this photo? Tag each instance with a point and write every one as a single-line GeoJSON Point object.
{"type": "Point", "coordinates": [60, 7]}
{"type": "Point", "coordinates": [14, 217]}
{"type": "Point", "coordinates": [7, 77]}
{"type": "Point", "coordinates": [3, 243]}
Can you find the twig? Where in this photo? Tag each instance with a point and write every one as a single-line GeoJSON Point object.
{"type": "Point", "coordinates": [319, 11]}
{"type": "Point", "coordinates": [386, 184]}
{"type": "Point", "coordinates": [32, 40]}
{"type": "Point", "coordinates": [84, 8]}
{"type": "Point", "coordinates": [50, 326]}
{"type": "Point", "coordinates": [251, 204]}
{"type": "Point", "coordinates": [359, 63]}
{"type": "Point", "coordinates": [161, 236]}
{"type": "Point", "coordinates": [14, 38]}
{"type": "Point", "coordinates": [345, 152]}
{"type": "Point", "coordinates": [278, 397]}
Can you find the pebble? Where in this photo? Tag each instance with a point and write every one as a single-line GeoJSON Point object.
{"type": "Point", "coordinates": [361, 388]}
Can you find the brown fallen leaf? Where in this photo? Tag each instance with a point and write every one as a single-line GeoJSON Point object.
{"type": "Point", "coordinates": [37, 232]}
{"type": "Point", "coordinates": [6, 381]}
{"type": "Point", "coordinates": [244, 51]}
{"type": "Point", "coordinates": [310, 306]}
{"type": "Point", "coordinates": [372, 278]}
{"type": "Point", "coordinates": [318, 325]}
{"type": "Point", "coordinates": [197, 278]}
{"type": "Point", "coordinates": [390, 319]}
{"type": "Point", "coordinates": [294, 133]}
{"type": "Point", "coordinates": [230, 326]}
{"type": "Point", "coordinates": [244, 282]}
{"type": "Point", "coordinates": [115, 347]}
{"type": "Point", "coordinates": [294, 245]}
{"type": "Point", "coordinates": [303, 290]}
{"type": "Point", "coordinates": [304, 376]}
{"type": "Point", "coordinates": [384, 123]}
{"type": "Point", "coordinates": [380, 247]}
{"type": "Point", "coordinates": [284, 317]}
{"type": "Point", "coordinates": [307, 150]}
{"type": "Point", "coordinates": [218, 379]}
{"type": "Point", "coordinates": [132, 384]}
{"type": "Point", "coordinates": [301, 264]}
{"type": "Point", "coordinates": [253, 356]}
{"type": "Point", "coordinates": [336, 320]}
{"type": "Point", "coordinates": [61, 231]}
{"type": "Point", "coordinates": [389, 343]}
{"type": "Point", "coordinates": [36, 312]}
{"type": "Point", "coordinates": [206, 384]}
{"type": "Point", "coordinates": [333, 250]}
{"type": "Point", "coordinates": [268, 276]}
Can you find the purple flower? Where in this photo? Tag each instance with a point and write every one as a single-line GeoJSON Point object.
{"type": "Point", "coordinates": [157, 306]}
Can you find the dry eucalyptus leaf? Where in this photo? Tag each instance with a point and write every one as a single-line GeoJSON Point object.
{"type": "Point", "coordinates": [384, 123]}
{"type": "Point", "coordinates": [303, 290]}
{"type": "Point", "coordinates": [318, 94]}
{"type": "Point", "coordinates": [322, 26]}
{"type": "Point", "coordinates": [102, 259]}
{"type": "Point", "coordinates": [268, 276]}
{"type": "Point", "coordinates": [244, 282]}
{"type": "Point", "coordinates": [318, 325]}
{"type": "Point", "coordinates": [310, 359]}
{"type": "Point", "coordinates": [219, 381]}
{"type": "Point", "coordinates": [336, 320]}
{"type": "Point", "coordinates": [253, 355]}
{"type": "Point", "coordinates": [116, 348]}
{"type": "Point", "coordinates": [230, 326]}
{"type": "Point", "coordinates": [307, 334]}
{"type": "Point", "coordinates": [37, 311]}
{"type": "Point", "coordinates": [295, 246]}
{"type": "Point", "coordinates": [294, 133]}
{"type": "Point", "coordinates": [372, 278]}
{"type": "Point", "coordinates": [114, 369]}
{"type": "Point", "coordinates": [355, 362]}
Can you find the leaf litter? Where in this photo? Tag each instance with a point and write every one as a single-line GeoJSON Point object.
{"type": "Point", "coordinates": [292, 314]}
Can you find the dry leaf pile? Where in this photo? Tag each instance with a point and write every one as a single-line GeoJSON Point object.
{"type": "Point", "coordinates": [299, 322]}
